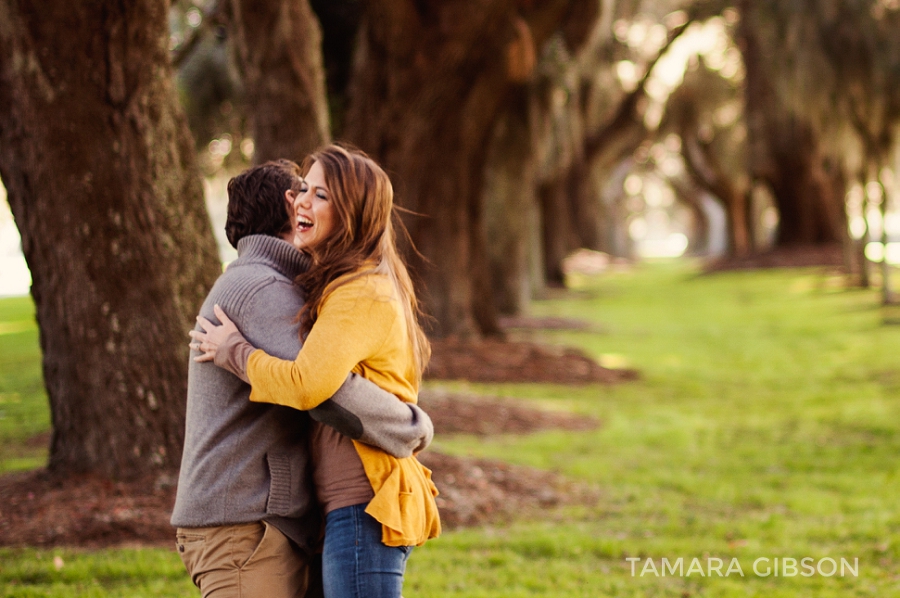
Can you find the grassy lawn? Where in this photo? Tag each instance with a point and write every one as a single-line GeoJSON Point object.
{"type": "Point", "coordinates": [765, 426]}
{"type": "Point", "coordinates": [24, 413]}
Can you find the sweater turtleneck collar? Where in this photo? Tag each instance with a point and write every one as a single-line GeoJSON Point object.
{"type": "Point", "coordinates": [275, 252]}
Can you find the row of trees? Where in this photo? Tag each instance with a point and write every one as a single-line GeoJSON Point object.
{"type": "Point", "coordinates": [507, 126]}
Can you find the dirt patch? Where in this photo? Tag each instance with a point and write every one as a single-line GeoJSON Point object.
{"type": "Point", "coordinates": [493, 360]}
{"type": "Point", "coordinates": [89, 512]}
{"type": "Point", "coordinates": [787, 257]}
{"type": "Point", "coordinates": [41, 440]}
{"type": "Point", "coordinates": [479, 491]}
{"type": "Point", "coordinates": [456, 413]}
{"type": "Point", "coordinates": [37, 509]}
{"type": "Point", "coordinates": [548, 323]}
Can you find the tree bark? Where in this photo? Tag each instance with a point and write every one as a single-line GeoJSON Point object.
{"type": "Point", "coordinates": [431, 78]}
{"type": "Point", "coordinates": [101, 178]}
{"type": "Point", "coordinates": [706, 172]}
{"type": "Point", "coordinates": [808, 198]}
{"type": "Point", "coordinates": [784, 152]}
{"type": "Point", "coordinates": [559, 237]}
{"type": "Point", "coordinates": [279, 52]}
{"type": "Point", "coordinates": [511, 211]}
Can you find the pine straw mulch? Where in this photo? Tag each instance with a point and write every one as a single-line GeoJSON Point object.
{"type": "Point", "coordinates": [459, 413]}
{"type": "Point", "coordinates": [477, 492]}
{"type": "Point", "coordinates": [37, 509]}
{"type": "Point", "coordinates": [90, 512]}
{"type": "Point", "coordinates": [498, 360]}
{"type": "Point", "coordinates": [829, 255]}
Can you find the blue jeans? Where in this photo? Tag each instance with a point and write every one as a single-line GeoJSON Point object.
{"type": "Point", "coordinates": [355, 564]}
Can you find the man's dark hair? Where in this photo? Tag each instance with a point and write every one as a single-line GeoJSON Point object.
{"type": "Point", "coordinates": [256, 202]}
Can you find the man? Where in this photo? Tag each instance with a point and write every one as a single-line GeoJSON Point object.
{"type": "Point", "coordinates": [245, 507]}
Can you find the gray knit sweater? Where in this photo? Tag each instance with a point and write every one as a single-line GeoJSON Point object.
{"type": "Point", "coordinates": [244, 461]}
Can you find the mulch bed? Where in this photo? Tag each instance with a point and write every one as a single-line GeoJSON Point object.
{"type": "Point", "coordinates": [458, 413]}
{"type": "Point", "coordinates": [831, 256]}
{"type": "Point", "coordinates": [477, 492]}
{"type": "Point", "coordinates": [548, 323]}
{"type": "Point", "coordinates": [89, 512]}
{"type": "Point", "coordinates": [495, 360]}
{"type": "Point", "coordinates": [37, 509]}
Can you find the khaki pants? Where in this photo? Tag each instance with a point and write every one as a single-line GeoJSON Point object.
{"type": "Point", "coordinates": [243, 561]}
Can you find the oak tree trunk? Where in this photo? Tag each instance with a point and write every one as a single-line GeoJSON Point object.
{"type": "Point", "coordinates": [704, 169]}
{"type": "Point", "coordinates": [430, 79]}
{"type": "Point", "coordinates": [784, 152]}
{"type": "Point", "coordinates": [511, 210]}
{"type": "Point", "coordinates": [279, 53]}
{"type": "Point", "coordinates": [559, 235]}
{"type": "Point", "coordinates": [808, 197]}
{"type": "Point", "coordinates": [101, 178]}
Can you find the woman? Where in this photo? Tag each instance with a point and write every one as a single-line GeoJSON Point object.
{"type": "Point", "coordinates": [360, 315]}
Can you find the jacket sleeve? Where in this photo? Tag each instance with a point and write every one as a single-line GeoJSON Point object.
{"type": "Point", "coordinates": [365, 412]}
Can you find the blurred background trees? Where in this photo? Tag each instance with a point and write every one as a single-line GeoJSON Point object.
{"type": "Point", "coordinates": [517, 132]}
{"type": "Point", "coordinates": [627, 127]}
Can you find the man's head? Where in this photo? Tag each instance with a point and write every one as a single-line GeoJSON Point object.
{"type": "Point", "coordinates": [257, 201]}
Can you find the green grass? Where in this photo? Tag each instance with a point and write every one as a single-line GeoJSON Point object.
{"type": "Point", "coordinates": [24, 413]}
{"type": "Point", "coordinates": [120, 573]}
{"type": "Point", "coordinates": [766, 424]}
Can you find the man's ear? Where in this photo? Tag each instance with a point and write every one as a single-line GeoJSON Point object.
{"type": "Point", "coordinates": [290, 196]}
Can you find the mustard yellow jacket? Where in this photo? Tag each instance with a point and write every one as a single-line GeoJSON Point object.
{"type": "Point", "coordinates": [360, 328]}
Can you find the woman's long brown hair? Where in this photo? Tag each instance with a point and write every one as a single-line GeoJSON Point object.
{"type": "Point", "coordinates": [362, 241]}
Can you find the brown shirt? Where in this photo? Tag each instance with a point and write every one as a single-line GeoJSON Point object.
{"type": "Point", "coordinates": [338, 471]}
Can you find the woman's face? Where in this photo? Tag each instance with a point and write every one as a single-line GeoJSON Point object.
{"type": "Point", "coordinates": [314, 216]}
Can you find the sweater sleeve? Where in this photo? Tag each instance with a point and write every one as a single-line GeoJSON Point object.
{"type": "Point", "coordinates": [365, 412]}
{"type": "Point", "coordinates": [353, 323]}
{"type": "Point", "coordinates": [232, 355]}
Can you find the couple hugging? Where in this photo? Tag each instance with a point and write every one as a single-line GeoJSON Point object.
{"type": "Point", "coordinates": [301, 401]}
